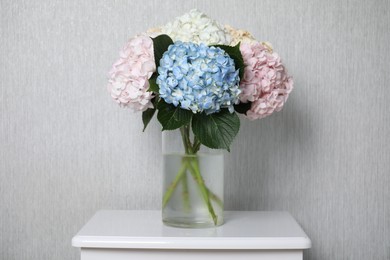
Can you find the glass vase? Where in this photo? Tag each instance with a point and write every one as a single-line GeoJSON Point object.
{"type": "Point", "coordinates": [192, 182]}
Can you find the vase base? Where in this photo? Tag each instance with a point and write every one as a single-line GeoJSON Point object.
{"type": "Point", "coordinates": [190, 223]}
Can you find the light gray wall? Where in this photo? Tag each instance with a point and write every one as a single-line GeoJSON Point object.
{"type": "Point", "coordinates": [67, 150]}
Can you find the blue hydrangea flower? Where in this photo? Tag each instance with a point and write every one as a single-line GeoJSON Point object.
{"type": "Point", "coordinates": [198, 78]}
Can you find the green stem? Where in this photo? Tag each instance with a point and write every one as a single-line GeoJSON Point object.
{"type": "Point", "coordinates": [187, 139]}
{"type": "Point", "coordinates": [196, 145]}
{"type": "Point", "coordinates": [186, 194]}
{"type": "Point", "coordinates": [186, 197]}
{"type": "Point", "coordinates": [172, 187]}
{"type": "Point", "coordinates": [183, 138]}
{"type": "Point", "coordinates": [194, 169]}
{"type": "Point", "coordinates": [214, 197]}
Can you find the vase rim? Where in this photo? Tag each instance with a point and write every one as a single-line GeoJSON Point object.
{"type": "Point", "coordinates": [199, 154]}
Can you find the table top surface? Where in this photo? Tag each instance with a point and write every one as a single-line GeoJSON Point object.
{"type": "Point", "coordinates": [140, 229]}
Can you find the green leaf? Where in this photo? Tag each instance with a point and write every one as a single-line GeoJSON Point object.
{"type": "Point", "coordinates": [160, 45]}
{"type": "Point", "coordinates": [172, 117]}
{"type": "Point", "coordinates": [216, 130]}
{"type": "Point", "coordinates": [242, 108]}
{"type": "Point", "coordinates": [234, 53]}
{"type": "Point", "coordinates": [147, 115]}
{"type": "Point", "coordinates": [153, 87]}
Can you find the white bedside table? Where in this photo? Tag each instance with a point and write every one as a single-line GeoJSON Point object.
{"type": "Point", "coordinates": [141, 235]}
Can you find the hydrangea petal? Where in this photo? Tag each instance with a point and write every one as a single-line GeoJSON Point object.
{"type": "Point", "coordinates": [266, 83]}
{"type": "Point", "coordinates": [201, 78]}
{"type": "Point", "coordinates": [128, 83]}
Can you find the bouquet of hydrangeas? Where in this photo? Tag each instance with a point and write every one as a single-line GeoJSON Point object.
{"type": "Point", "coordinates": [197, 75]}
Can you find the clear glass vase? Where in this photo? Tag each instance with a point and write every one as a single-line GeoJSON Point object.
{"type": "Point", "coordinates": [192, 182]}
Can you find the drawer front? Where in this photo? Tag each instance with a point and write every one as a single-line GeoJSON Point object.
{"type": "Point", "coordinates": [142, 254]}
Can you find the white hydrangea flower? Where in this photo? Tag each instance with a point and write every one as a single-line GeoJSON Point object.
{"type": "Point", "coordinates": [239, 35]}
{"type": "Point", "coordinates": [197, 27]}
{"type": "Point", "coordinates": [154, 32]}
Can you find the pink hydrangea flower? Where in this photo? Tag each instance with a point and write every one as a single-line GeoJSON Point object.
{"type": "Point", "coordinates": [265, 83]}
{"type": "Point", "coordinates": [128, 83]}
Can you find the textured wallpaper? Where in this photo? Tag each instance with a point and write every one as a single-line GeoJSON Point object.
{"type": "Point", "coordinates": [67, 150]}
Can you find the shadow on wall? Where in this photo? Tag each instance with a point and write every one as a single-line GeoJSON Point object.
{"type": "Point", "coordinates": [270, 161]}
